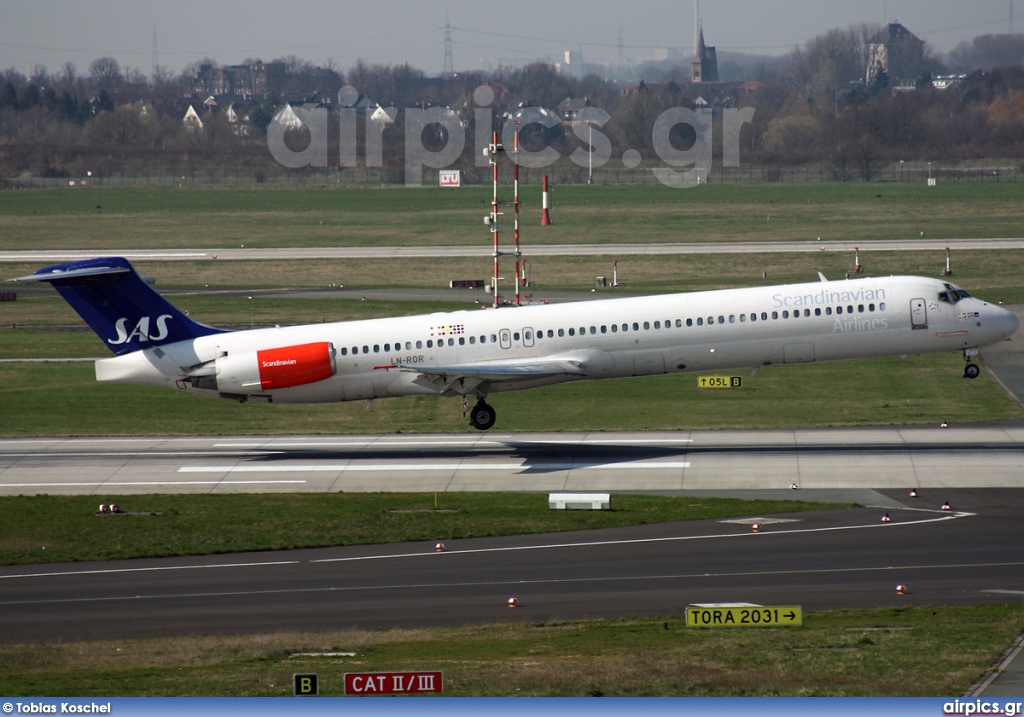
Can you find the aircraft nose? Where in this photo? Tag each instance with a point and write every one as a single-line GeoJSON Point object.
{"type": "Point", "coordinates": [1011, 321]}
{"type": "Point", "coordinates": [1006, 322]}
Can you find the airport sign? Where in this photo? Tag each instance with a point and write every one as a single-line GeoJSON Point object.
{"type": "Point", "coordinates": [743, 615]}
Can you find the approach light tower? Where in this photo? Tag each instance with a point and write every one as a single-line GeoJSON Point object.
{"type": "Point", "coordinates": [493, 152]}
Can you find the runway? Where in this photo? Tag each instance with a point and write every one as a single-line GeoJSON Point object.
{"type": "Point", "coordinates": [536, 250]}
{"type": "Point", "coordinates": [973, 554]}
{"type": "Point", "coordinates": [899, 457]}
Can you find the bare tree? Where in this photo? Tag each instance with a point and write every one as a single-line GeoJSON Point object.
{"type": "Point", "coordinates": [105, 73]}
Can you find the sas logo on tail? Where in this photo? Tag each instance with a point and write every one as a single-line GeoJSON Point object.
{"type": "Point", "coordinates": [141, 330]}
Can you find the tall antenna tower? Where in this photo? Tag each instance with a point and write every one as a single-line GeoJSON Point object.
{"type": "Point", "coordinates": [449, 69]}
{"type": "Point", "coordinates": [696, 25]}
{"type": "Point", "coordinates": [156, 58]}
{"type": "Point", "coordinates": [620, 48]}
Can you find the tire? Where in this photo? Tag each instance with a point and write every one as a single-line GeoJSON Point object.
{"type": "Point", "coordinates": [482, 416]}
{"type": "Point", "coordinates": [972, 370]}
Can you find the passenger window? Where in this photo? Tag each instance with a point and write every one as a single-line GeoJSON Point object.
{"type": "Point", "coordinates": [764, 316]}
{"type": "Point", "coordinates": [593, 329]}
{"type": "Point", "coordinates": [387, 348]}
{"type": "Point", "coordinates": [817, 312]}
{"type": "Point", "coordinates": [615, 328]}
{"type": "Point", "coordinates": [732, 319]}
{"type": "Point", "coordinates": [839, 309]}
{"type": "Point", "coordinates": [462, 341]}
{"type": "Point", "coordinates": [711, 320]}
{"type": "Point", "coordinates": [689, 322]}
{"type": "Point", "coordinates": [572, 332]}
{"type": "Point", "coordinates": [743, 318]}
{"type": "Point", "coordinates": [775, 314]}
{"type": "Point", "coordinates": [721, 319]}
{"type": "Point", "coordinates": [344, 351]}
{"type": "Point", "coordinates": [881, 306]}
{"type": "Point", "coordinates": [472, 340]}
{"type": "Point", "coordinates": [636, 326]}
{"type": "Point", "coordinates": [376, 348]}
{"type": "Point", "coordinates": [451, 342]}
{"type": "Point", "coordinates": [430, 343]}
{"type": "Point", "coordinates": [604, 329]}
{"type": "Point", "coordinates": [419, 344]}
{"type": "Point", "coordinates": [561, 332]}
{"type": "Point", "coordinates": [657, 324]}
{"type": "Point", "coordinates": [785, 314]}
{"type": "Point", "coordinates": [860, 308]}
{"type": "Point", "coordinates": [408, 346]}
{"type": "Point", "coordinates": [700, 321]}
{"type": "Point", "coordinates": [647, 325]}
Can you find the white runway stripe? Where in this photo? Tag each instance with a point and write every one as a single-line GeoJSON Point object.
{"type": "Point", "coordinates": [366, 467]}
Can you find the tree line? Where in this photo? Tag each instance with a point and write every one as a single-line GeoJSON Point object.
{"type": "Point", "coordinates": [813, 108]}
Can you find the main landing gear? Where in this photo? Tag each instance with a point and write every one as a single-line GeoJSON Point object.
{"type": "Point", "coordinates": [482, 416]}
{"type": "Point", "coordinates": [971, 370]}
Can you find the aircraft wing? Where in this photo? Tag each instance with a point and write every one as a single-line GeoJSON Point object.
{"type": "Point", "coordinates": [465, 377]}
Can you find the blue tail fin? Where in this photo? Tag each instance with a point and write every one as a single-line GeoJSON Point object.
{"type": "Point", "coordinates": [119, 306]}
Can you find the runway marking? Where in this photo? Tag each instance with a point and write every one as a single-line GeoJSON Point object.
{"type": "Point", "coordinates": [510, 549]}
{"type": "Point", "coordinates": [637, 541]}
{"type": "Point", "coordinates": [489, 583]}
{"type": "Point", "coordinates": [379, 467]}
{"type": "Point", "coordinates": [154, 483]}
{"type": "Point", "coordinates": [137, 454]}
{"type": "Point", "coordinates": [468, 443]}
{"type": "Point", "coordinates": [112, 571]}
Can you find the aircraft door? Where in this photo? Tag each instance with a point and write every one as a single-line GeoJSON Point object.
{"type": "Point", "coordinates": [505, 338]}
{"type": "Point", "coordinates": [918, 314]}
{"type": "Point", "coordinates": [527, 336]}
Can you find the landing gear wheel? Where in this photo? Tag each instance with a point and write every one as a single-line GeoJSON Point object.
{"type": "Point", "coordinates": [482, 416]}
{"type": "Point", "coordinates": [972, 370]}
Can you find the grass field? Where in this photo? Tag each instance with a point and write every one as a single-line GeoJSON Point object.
{"type": "Point", "coordinates": [65, 400]}
{"type": "Point", "coordinates": [95, 218]}
{"type": "Point", "coordinates": [911, 651]}
{"type": "Point", "coordinates": [58, 529]}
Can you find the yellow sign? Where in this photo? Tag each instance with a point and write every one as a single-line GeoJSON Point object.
{"type": "Point", "coordinates": [719, 381]}
{"type": "Point", "coordinates": [746, 616]}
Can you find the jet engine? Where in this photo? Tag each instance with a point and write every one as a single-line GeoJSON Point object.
{"type": "Point", "coordinates": [267, 370]}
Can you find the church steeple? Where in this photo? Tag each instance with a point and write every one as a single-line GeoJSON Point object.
{"type": "Point", "coordinates": [705, 64]}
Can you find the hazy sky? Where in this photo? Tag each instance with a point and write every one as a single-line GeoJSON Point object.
{"type": "Point", "coordinates": [51, 32]}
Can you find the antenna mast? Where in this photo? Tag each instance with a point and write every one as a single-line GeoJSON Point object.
{"type": "Point", "coordinates": [449, 69]}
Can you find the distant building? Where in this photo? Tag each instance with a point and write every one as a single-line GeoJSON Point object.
{"type": "Point", "coordinates": [573, 65]}
{"type": "Point", "coordinates": [247, 81]}
{"type": "Point", "coordinates": [897, 52]}
{"type": "Point", "coordinates": [705, 64]}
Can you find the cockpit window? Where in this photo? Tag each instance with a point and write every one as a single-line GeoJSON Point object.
{"type": "Point", "coordinates": [953, 295]}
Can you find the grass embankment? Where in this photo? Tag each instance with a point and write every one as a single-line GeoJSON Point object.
{"type": "Point", "coordinates": [171, 218]}
{"type": "Point", "coordinates": [37, 529]}
{"type": "Point", "coordinates": [916, 651]}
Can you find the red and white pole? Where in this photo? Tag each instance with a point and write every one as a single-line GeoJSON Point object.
{"type": "Point", "coordinates": [515, 204]}
{"type": "Point", "coordinates": [494, 218]}
{"type": "Point", "coordinates": [545, 218]}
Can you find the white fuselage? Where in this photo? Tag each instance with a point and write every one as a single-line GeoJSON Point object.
{"type": "Point", "coordinates": [614, 338]}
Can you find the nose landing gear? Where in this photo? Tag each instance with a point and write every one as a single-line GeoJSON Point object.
{"type": "Point", "coordinates": [971, 370]}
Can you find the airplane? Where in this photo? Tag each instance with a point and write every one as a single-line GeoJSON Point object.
{"type": "Point", "coordinates": [481, 352]}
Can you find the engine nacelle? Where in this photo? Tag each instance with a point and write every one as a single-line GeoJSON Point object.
{"type": "Point", "coordinates": [272, 369]}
